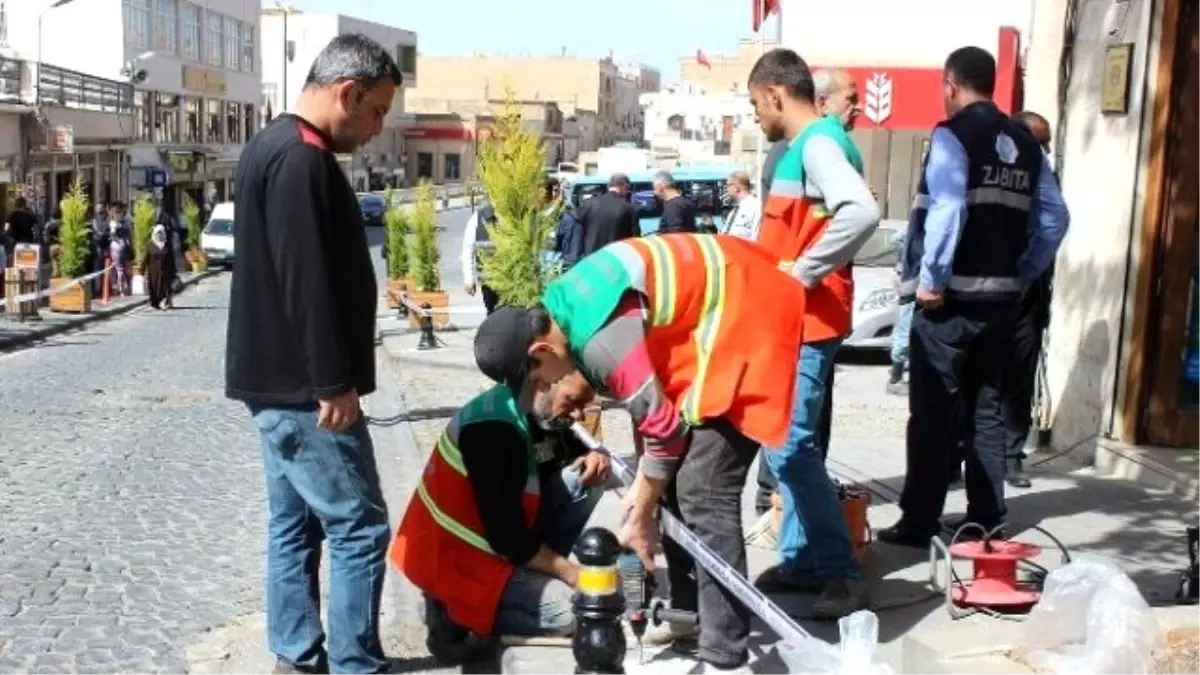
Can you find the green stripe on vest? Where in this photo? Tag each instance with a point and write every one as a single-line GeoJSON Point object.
{"type": "Point", "coordinates": [583, 298]}
{"type": "Point", "coordinates": [791, 165]}
{"type": "Point", "coordinates": [495, 405]}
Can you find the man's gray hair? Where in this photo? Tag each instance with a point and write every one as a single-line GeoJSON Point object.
{"type": "Point", "coordinates": [354, 57]}
{"type": "Point", "coordinates": [824, 82]}
{"type": "Point", "coordinates": [741, 178]}
{"type": "Point", "coordinates": [665, 179]}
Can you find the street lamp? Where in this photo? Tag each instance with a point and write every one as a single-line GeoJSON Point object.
{"type": "Point", "coordinates": [289, 49]}
{"type": "Point", "coordinates": [37, 83]}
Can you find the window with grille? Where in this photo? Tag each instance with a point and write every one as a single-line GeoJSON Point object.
{"type": "Point", "coordinates": [189, 21]}
{"type": "Point", "coordinates": [249, 121]}
{"type": "Point", "coordinates": [136, 16]}
{"type": "Point", "coordinates": [248, 47]}
{"type": "Point", "coordinates": [166, 118]}
{"type": "Point", "coordinates": [191, 119]}
{"type": "Point", "coordinates": [142, 115]}
{"type": "Point", "coordinates": [214, 128]}
{"type": "Point", "coordinates": [233, 43]}
{"type": "Point", "coordinates": [233, 123]}
{"type": "Point", "coordinates": [213, 38]}
{"type": "Point", "coordinates": [165, 31]}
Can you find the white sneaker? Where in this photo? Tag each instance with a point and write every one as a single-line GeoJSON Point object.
{"type": "Point", "coordinates": [665, 633]}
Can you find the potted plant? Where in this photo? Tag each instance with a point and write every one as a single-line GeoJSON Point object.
{"type": "Point", "coordinates": [144, 216]}
{"type": "Point", "coordinates": [399, 261]}
{"type": "Point", "coordinates": [72, 255]}
{"type": "Point", "coordinates": [426, 272]}
{"type": "Point", "coordinates": [191, 219]}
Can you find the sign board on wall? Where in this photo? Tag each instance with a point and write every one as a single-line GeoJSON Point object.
{"type": "Point", "coordinates": [204, 81]}
{"type": "Point", "coordinates": [27, 256]}
{"type": "Point", "coordinates": [60, 138]}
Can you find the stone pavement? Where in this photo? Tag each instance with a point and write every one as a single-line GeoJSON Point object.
{"type": "Point", "coordinates": [15, 334]}
{"type": "Point", "coordinates": [1143, 529]}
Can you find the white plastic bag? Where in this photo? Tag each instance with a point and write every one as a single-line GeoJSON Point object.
{"type": "Point", "coordinates": [853, 655]}
{"type": "Point", "coordinates": [1090, 619]}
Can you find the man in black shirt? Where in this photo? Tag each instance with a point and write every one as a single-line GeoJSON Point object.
{"type": "Point", "coordinates": [678, 212]}
{"type": "Point", "coordinates": [300, 352]}
{"type": "Point", "coordinates": [20, 226]}
{"type": "Point", "coordinates": [608, 217]}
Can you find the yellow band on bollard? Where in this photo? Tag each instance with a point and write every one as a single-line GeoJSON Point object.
{"type": "Point", "coordinates": [598, 580]}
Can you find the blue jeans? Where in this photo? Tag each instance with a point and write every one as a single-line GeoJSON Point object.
{"type": "Point", "coordinates": [536, 604]}
{"type": "Point", "coordinates": [900, 334]}
{"type": "Point", "coordinates": [813, 540]}
{"type": "Point", "coordinates": [322, 484]}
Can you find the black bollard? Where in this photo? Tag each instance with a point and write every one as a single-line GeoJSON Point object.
{"type": "Point", "coordinates": [599, 640]}
{"type": "Point", "coordinates": [402, 306]}
{"type": "Point", "coordinates": [1188, 592]}
{"type": "Point", "coordinates": [428, 339]}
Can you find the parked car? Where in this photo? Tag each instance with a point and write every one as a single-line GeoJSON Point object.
{"type": "Point", "coordinates": [372, 208]}
{"type": "Point", "coordinates": [875, 289]}
{"type": "Point", "coordinates": [216, 239]}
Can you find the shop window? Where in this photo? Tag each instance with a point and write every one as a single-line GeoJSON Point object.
{"type": "Point", "coordinates": [166, 118]}
{"type": "Point", "coordinates": [249, 121]}
{"type": "Point", "coordinates": [191, 120]}
{"type": "Point", "coordinates": [425, 165]}
{"type": "Point", "coordinates": [453, 164]}
{"type": "Point", "coordinates": [233, 122]}
{"type": "Point", "coordinates": [143, 118]}
{"type": "Point", "coordinates": [214, 121]}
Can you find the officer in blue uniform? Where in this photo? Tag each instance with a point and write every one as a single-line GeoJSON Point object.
{"type": "Point", "coordinates": [985, 224]}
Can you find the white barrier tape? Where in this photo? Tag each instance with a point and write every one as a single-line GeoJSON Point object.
{"type": "Point", "coordinates": [45, 293]}
{"type": "Point", "coordinates": [754, 599]}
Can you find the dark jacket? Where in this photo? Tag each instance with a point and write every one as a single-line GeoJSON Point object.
{"type": "Point", "coordinates": [303, 296]}
{"type": "Point", "coordinates": [607, 218]}
{"type": "Point", "coordinates": [568, 239]}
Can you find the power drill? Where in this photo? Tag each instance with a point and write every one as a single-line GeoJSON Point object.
{"type": "Point", "coordinates": [642, 609]}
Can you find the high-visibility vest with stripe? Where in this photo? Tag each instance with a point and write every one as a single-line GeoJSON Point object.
{"type": "Point", "coordinates": [792, 222]}
{"type": "Point", "coordinates": [723, 323]}
{"type": "Point", "coordinates": [440, 545]}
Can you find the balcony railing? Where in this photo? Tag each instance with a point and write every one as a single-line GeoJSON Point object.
{"type": "Point", "coordinates": [10, 80]}
{"type": "Point", "coordinates": [72, 89]}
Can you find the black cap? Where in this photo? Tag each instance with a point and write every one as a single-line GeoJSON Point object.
{"type": "Point", "coordinates": [502, 346]}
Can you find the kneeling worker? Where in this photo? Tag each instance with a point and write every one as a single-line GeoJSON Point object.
{"type": "Point", "coordinates": [501, 502]}
{"type": "Point", "coordinates": [698, 335]}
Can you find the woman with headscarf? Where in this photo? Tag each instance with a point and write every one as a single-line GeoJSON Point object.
{"type": "Point", "coordinates": [160, 269]}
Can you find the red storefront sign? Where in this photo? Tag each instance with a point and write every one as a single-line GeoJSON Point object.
{"type": "Point", "coordinates": [910, 99]}
{"type": "Point", "coordinates": [439, 133]}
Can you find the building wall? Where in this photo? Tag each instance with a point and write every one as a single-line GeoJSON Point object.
{"type": "Point", "coordinates": [1103, 162]}
{"type": "Point", "coordinates": [571, 82]}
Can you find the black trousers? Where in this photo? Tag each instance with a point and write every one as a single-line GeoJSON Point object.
{"type": "Point", "coordinates": [957, 358]}
{"type": "Point", "coordinates": [490, 299]}
{"type": "Point", "coordinates": [707, 496]}
{"type": "Point", "coordinates": [1018, 400]}
{"type": "Point", "coordinates": [766, 480]}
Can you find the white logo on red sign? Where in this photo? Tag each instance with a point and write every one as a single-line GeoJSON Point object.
{"type": "Point", "coordinates": [879, 98]}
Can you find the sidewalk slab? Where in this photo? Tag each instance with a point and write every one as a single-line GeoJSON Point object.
{"type": "Point", "coordinates": [1142, 529]}
{"type": "Point", "coordinates": [15, 334]}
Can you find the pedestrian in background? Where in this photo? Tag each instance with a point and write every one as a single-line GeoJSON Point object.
{"type": "Point", "coordinates": [300, 352]}
{"type": "Point", "coordinates": [971, 251]}
{"type": "Point", "coordinates": [678, 211]}
{"type": "Point", "coordinates": [160, 268]}
{"type": "Point", "coordinates": [899, 346]}
{"type": "Point", "coordinates": [608, 217]}
{"type": "Point", "coordinates": [743, 220]}
{"type": "Point", "coordinates": [476, 239]}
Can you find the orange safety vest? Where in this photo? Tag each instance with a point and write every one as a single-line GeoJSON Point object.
{"type": "Point", "coordinates": [723, 329]}
{"type": "Point", "coordinates": [440, 545]}
{"type": "Point", "coordinates": [792, 222]}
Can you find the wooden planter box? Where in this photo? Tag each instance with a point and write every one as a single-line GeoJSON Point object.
{"type": "Point", "coordinates": [75, 300]}
{"type": "Point", "coordinates": [394, 288]}
{"type": "Point", "coordinates": [438, 300]}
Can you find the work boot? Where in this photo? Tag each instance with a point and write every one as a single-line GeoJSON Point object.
{"type": "Point", "coordinates": [775, 580]}
{"type": "Point", "coordinates": [841, 597]}
{"type": "Point", "coordinates": [896, 385]}
{"type": "Point", "coordinates": [1015, 475]}
{"type": "Point", "coordinates": [904, 534]}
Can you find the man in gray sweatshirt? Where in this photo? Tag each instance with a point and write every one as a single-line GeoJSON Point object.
{"type": "Point", "coordinates": [817, 215]}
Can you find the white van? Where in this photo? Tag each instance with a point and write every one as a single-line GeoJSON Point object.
{"type": "Point", "coordinates": [217, 237]}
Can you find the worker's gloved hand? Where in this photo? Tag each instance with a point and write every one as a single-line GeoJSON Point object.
{"type": "Point", "coordinates": [639, 530]}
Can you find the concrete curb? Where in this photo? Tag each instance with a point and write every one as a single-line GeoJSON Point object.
{"type": "Point", "coordinates": [41, 333]}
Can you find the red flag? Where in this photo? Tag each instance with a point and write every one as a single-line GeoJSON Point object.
{"type": "Point", "coordinates": [763, 9]}
{"type": "Point", "coordinates": [702, 59]}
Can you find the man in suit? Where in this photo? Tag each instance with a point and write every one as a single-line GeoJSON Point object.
{"type": "Point", "coordinates": [608, 217]}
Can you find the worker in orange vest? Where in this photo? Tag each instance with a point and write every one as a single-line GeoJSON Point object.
{"type": "Point", "coordinates": [503, 498]}
{"type": "Point", "coordinates": [698, 335]}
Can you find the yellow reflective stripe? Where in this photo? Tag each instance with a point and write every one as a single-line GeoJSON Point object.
{"type": "Point", "coordinates": [451, 525]}
{"type": "Point", "coordinates": [450, 454]}
{"type": "Point", "coordinates": [664, 281]}
{"type": "Point", "coordinates": [705, 335]}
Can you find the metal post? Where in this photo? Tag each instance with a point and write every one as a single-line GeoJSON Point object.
{"type": "Point", "coordinates": [599, 640]}
{"type": "Point", "coordinates": [428, 339]}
